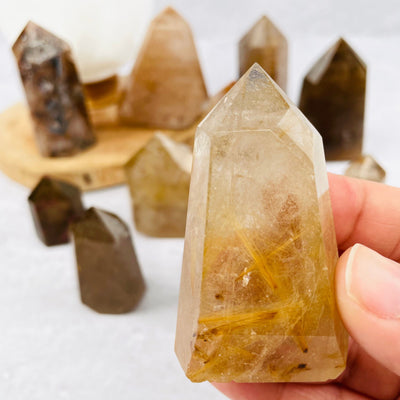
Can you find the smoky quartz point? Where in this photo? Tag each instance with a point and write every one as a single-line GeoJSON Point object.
{"type": "Point", "coordinates": [166, 88]}
{"type": "Point", "coordinates": [159, 177]}
{"type": "Point", "coordinates": [333, 99]}
{"type": "Point", "coordinates": [54, 205]}
{"type": "Point", "coordinates": [257, 300]}
{"type": "Point", "coordinates": [266, 45]}
{"type": "Point", "coordinates": [53, 92]}
{"type": "Point", "coordinates": [110, 279]}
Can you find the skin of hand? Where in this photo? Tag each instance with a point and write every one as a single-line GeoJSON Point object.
{"type": "Point", "coordinates": [367, 223]}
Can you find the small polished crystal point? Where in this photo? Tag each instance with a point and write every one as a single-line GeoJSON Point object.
{"type": "Point", "coordinates": [110, 279]}
{"type": "Point", "coordinates": [366, 167]}
{"type": "Point", "coordinates": [53, 92]}
{"type": "Point", "coordinates": [257, 297]}
{"type": "Point", "coordinates": [159, 178]}
{"type": "Point", "coordinates": [166, 88]}
{"type": "Point", "coordinates": [266, 45]}
{"type": "Point", "coordinates": [333, 99]}
{"type": "Point", "coordinates": [54, 205]}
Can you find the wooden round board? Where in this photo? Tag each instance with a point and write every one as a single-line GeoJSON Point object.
{"type": "Point", "coordinates": [98, 167]}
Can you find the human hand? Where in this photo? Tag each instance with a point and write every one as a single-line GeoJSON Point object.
{"type": "Point", "coordinates": [367, 222]}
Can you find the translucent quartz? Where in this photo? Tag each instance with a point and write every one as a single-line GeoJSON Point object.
{"type": "Point", "coordinates": [110, 279]}
{"type": "Point", "coordinates": [266, 45]}
{"type": "Point", "coordinates": [54, 93]}
{"type": "Point", "coordinates": [333, 99]}
{"type": "Point", "coordinates": [166, 88]}
{"type": "Point", "coordinates": [257, 300]}
{"type": "Point", "coordinates": [54, 205]}
{"type": "Point", "coordinates": [366, 167]}
{"type": "Point", "coordinates": [159, 178]}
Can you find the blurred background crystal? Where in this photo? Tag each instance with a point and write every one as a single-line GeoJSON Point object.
{"type": "Point", "coordinates": [104, 35]}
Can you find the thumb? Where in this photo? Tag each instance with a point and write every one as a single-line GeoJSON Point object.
{"type": "Point", "coordinates": [368, 296]}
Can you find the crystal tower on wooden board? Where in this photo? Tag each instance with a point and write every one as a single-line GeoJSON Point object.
{"type": "Point", "coordinates": [54, 93]}
{"type": "Point", "coordinates": [159, 177]}
{"type": "Point", "coordinates": [266, 45]}
{"type": "Point", "coordinates": [110, 279]}
{"type": "Point", "coordinates": [257, 300]}
{"type": "Point", "coordinates": [166, 88]}
{"type": "Point", "coordinates": [333, 99]}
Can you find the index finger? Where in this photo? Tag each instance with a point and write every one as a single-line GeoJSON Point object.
{"type": "Point", "coordinates": [367, 213]}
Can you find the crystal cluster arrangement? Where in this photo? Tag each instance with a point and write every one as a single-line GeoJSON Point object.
{"type": "Point", "coordinates": [256, 300]}
{"type": "Point", "coordinates": [54, 93]}
{"type": "Point", "coordinates": [110, 279]}
{"type": "Point", "coordinates": [158, 177]}
{"type": "Point", "coordinates": [333, 99]}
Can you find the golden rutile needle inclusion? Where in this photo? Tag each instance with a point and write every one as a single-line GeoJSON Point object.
{"type": "Point", "coordinates": [256, 301]}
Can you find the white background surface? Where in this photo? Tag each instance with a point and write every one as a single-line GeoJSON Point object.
{"type": "Point", "coordinates": [52, 346]}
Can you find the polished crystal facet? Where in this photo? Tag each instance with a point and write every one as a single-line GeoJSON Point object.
{"type": "Point", "coordinates": [257, 301]}
{"type": "Point", "coordinates": [54, 205]}
{"type": "Point", "coordinates": [166, 87]}
{"type": "Point", "coordinates": [159, 177]}
{"type": "Point", "coordinates": [110, 280]}
{"type": "Point", "coordinates": [366, 167]}
{"type": "Point", "coordinates": [333, 99]}
{"type": "Point", "coordinates": [266, 45]}
{"type": "Point", "coordinates": [54, 93]}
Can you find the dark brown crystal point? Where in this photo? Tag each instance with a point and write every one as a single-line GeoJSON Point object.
{"type": "Point", "coordinates": [333, 99]}
{"type": "Point", "coordinates": [54, 205]}
{"type": "Point", "coordinates": [266, 45]}
{"type": "Point", "coordinates": [54, 92]}
{"type": "Point", "coordinates": [109, 274]}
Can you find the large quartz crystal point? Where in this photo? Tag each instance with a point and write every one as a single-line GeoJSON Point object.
{"type": "Point", "coordinates": [166, 87]}
{"type": "Point", "coordinates": [266, 45]}
{"type": "Point", "coordinates": [366, 167]}
{"type": "Point", "coordinates": [333, 99]}
{"type": "Point", "coordinates": [159, 178]}
{"type": "Point", "coordinates": [110, 280]}
{"type": "Point", "coordinates": [54, 93]}
{"type": "Point", "coordinates": [54, 205]}
{"type": "Point", "coordinates": [257, 299]}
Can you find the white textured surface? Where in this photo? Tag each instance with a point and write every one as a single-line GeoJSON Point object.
{"type": "Point", "coordinates": [51, 346]}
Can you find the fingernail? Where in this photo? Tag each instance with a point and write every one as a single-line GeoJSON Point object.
{"type": "Point", "coordinates": [373, 281]}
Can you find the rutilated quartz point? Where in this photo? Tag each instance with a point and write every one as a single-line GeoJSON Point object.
{"type": "Point", "coordinates": [54, 93]}
{"type": "Point", "coordinates": [333, 99]}
{"type": "Point", "coordinates": [166, 88]}
{"type": "Point", "coordinates": [110, 279]}
{"type": "Point", "coordinates": [266, 45]}
{"type": "Point", "coordinates": [159, 177]}
{"type": "Point", "coordinates": [54, 205]}
{"type": "Point", "coordinates": [257, 299]}
{"type": "Point", "coordinates": [366, 167]}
